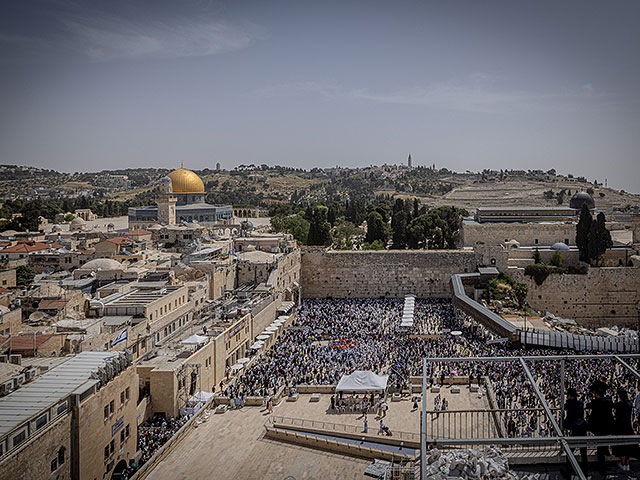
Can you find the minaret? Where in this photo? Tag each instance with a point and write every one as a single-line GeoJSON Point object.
{"type": "Point", "coordinates": [409, 161]}
{"type": "Point", "coordinates": [166, 201]}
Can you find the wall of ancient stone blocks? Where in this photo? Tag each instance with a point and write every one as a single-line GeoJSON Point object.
{"type": "Point", "coordinates": [360, 274]}
{"type": "Point", "coordinates": [605, 296]}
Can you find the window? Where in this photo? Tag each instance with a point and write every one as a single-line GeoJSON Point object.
{"type": "Point", "coordinates": [61, 408]}
{"type": "Point", "coordinates": [19, 438]}
{"type": "Point", "coordinates": [135, 347]}
{"type": "Point", "coordinates": [41, 421]}
{"type": "Point", "coordinates": [535, 241]}
{"type": "Point", "coordinates": [61, 455]}
{"type": "Point", "coordinates": [126, 430]}
{"type": "Point", "coordinates": [144, 343]}
{"type": "Point", "coordinates": [127, 393]}
{"type": "Point", "coordinates": [122, 397]}
{"type": "Point", "coordinates": [106, 452]}
{"type": "Point", "coordinates": [121, 436]}
{"type": "Point", "coordinates": [106, 412]}
{"type": "Point", "coordinates": [112, 446]}
{"type": "Point", "coordinates": [112, 406]}
{"type": "Point", "coordinates": [54, 464]}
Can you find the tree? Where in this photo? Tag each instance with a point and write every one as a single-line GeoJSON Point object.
{"type": "Point", "coordinates": [319, 227]}
{"type": "Point", "coordinates": [520, 291]}
{"type": "Point", "coordinates": [582, 233]}
{"type": "Point", "coordinates": [24, 275]}
{"type": "Point", "coordinates": [536, 256]}
{"type": "Point", "coordinates": [376, 229]}
{"type": "Point", "coordinates": [599, 239]}
{"type": "Point", "coordinates": [451, 225]}
{"type": "Point", "coordinates": [344, 234]}
{"type": "Point", "coordinates": [425, 231]}
{"type": "Point", "coordinates": [296, 225]}
{"type": "Point", "coordinates": [556, 259]}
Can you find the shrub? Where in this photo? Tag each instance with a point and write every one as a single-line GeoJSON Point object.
{"type": "Point", "coordinates": [540, 271]}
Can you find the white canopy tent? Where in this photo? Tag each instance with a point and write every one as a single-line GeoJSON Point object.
{"type": "Point", "coordinates": [257, 345]}
{"type": "Point", "coordinates": [200, 397]}
{"type": "Point", "coordinates": [262, 337]}
{"type": "Point", "coordinates": [237, 367]}
{"type": "Point", "coordinates": [362, 381]}
{"type": "Point", "coordinates": [195, 340]}
{"type": "Point", "coordinates": [244, 360]}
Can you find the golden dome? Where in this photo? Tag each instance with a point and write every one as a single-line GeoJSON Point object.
{"type": "Point", "coordinates": [185, 181]}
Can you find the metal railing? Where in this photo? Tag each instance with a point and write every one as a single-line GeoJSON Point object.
{"type": "Point", "coordinates": [335, 428]}
{"type": "Point", "coordinates": [489, 423]}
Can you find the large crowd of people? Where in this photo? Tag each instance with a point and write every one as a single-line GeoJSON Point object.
{"type": "Point", "coordinates": [334, 337]}
{"type": "Point", "coordinates": [155, 432]}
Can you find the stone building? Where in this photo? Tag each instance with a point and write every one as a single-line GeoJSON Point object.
{"type": "Point", "coordinates": [76, 421]}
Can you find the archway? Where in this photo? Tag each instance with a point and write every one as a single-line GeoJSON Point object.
{"type": "Point", "coordinates": [117, 472]}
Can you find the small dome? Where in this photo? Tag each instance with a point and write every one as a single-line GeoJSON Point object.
{"type": "Point", "coordinates": [560, 246]}
{"type": "Point", "coordinates": [249, 225]}
{"type": "Point", "coordinates": [582, 198]}
{"type": "Point", "coordinates": [165, 180]}
{"type": "Point", "coordinates": [102, 264]}
{"type": "Point", "coordinates": [48, 290]}
{"type": "Point", "coordinates": [111, 225]}
{"type": "Point", "coordinates": [78, 221]}
{"type": "Point", "coordinates": [56, 227]}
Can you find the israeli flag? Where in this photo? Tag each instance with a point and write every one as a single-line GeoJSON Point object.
{"type": "Point", "coordinates": [122, 337]}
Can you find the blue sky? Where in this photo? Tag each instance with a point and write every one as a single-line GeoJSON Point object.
{"type": "Point", "coordinates": [463, 84]}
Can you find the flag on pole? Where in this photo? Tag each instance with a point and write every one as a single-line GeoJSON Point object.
{"type": "Point", "coordinates": [122, 337]}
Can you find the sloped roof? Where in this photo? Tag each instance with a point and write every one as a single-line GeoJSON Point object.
{"type": "Point", "coordinates": [24, 342]}
{"type": "Point", "coordinates": [48, 304]}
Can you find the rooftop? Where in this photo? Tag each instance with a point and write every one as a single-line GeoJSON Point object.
{"type": "Point", "coordinates": [49, 389]}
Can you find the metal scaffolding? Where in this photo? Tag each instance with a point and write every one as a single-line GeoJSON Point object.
{"type": "Point", "coordinates": [556, 440]}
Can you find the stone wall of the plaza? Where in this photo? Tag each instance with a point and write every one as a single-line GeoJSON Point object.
{"type": "Point", "coordinates": [358, 274]}
{"type": "Point", "coordinates": [604, 296]}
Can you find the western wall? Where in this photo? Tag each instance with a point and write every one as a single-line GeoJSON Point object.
{"type": "Point", "coordinates": [389, 273]}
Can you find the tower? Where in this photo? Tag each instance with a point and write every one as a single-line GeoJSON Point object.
{"type": "Point", "coordinates": [218, 167]}
{"type": "Point", "coordinates": [166, 201]}
{"type": "Point", "coordinates": [409, 161]}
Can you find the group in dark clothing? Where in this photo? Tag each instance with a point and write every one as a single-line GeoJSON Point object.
{"type": "Point", "coordinates": [605, 418]}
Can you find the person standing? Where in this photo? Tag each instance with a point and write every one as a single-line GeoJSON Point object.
{"type": "Point", "coordinates": [575, 424]}
{"type": "Point", "coordinates": [366, 425]}
{"type": "Point", "coordinates": [622, 426]}
{"type": "Point", "coordinates": [600, 420]}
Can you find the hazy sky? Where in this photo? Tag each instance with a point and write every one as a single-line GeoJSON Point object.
{"type": "Point", "coordinates": [88, 85]}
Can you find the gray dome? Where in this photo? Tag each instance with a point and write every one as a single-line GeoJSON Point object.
{"type": "Point", "coordinates": [165, 180]}
{"type": "Point", "coordinates": [561, 246]}
{"type": "Point", "coordinates": [582, 198]}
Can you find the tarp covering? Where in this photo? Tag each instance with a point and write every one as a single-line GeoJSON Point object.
{"type": "Point", "coordinates": [195, 340]}
{"type": "Point", "coordinates": [362, 381]}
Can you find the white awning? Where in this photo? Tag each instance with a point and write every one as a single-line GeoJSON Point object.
{"type": "Point", "coordinates": [257, 345]}
{"type": "Point", "coordinates": [195, 340]}
{"type": "Point", "coordinates": [237, 367]}
{"type": "Point", "coordinates": [244, 360]}
{"type": "Point", "coordinates": [262, 337]}
{"type": "Point", "coordinates": [362, 381]}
